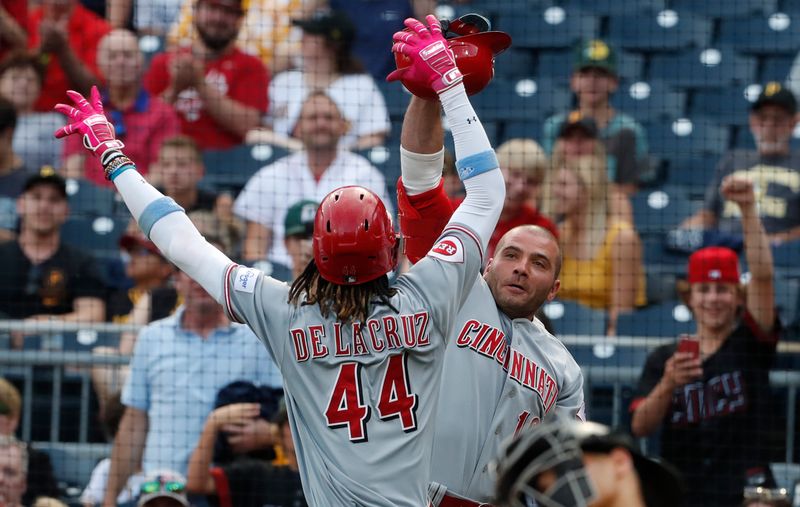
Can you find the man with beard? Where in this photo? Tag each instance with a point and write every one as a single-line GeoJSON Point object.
{"type": "Point", "coordinates": [216, 88]}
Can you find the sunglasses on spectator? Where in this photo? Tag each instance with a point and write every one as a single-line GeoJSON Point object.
{"type": "Point", "coordinates": [168, 486]}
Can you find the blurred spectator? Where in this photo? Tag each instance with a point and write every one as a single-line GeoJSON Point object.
{"type": "Point", "coordinates": [13, 172]}
{"type": "Point", "coordinates": [298, 228]}
{"type": "Point", "coordinates": [452, 183]}
{"type": "Point", "coordinates": [308, 174]}
{"type": "Point", "coordinates": [21, 79]}
{"type": "Point", "coordinates": [384, 18]}
{"type": "Point", "coordinates": [774, 169]}
{"type": "Point", "coordinates": [327, 65]}
{"type": "Point", "coordinates": [47, 501]}
{"type": "Point", "coordinates": [13, 479]}
{"type": "Point", "coordinates": [42, 278]}
{"type": "Point", "coordinates": [593, 81]}
{"type": "Point", "coordinates": [146, 17]}
{"type": "Point", "coordinates": [66, 35]}
{"type": "Point", "coordinates": [94, 491]}
{"type": "Point", "coordinates": [266, 32]}
{"type": "Point", "coordinates": [246, 482]}
{"type": "Point", "coordinates": [578, 139]}
{"type": "Point", "coordinates": [218, 90]}
{"type": "Point", "coordinates": [151, 297]}
{"type": "Point", "coordinates": [140, 120]}
{"type": "Point", "coordinates": [602, 265]}
{"type": "Point", "coordinates": [13, 26]}
{"type": "Point", "coordinates": [178, 172]}
{"type": "Point", "coordinates": [714, 407]}
{"type": "Point", "coordinates": [164, 488]}
{"type": "Point", "coordinates": [39, 470]}
{"type": "Point", "coordinates": [178, 366]}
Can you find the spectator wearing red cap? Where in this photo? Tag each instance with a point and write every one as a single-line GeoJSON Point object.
{"type": "Point", "coordinates": [714, 407]}
{"type": "Point", "coordinates": [219, 91]}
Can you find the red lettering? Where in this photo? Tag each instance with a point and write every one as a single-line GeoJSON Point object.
{"type": "Point", "coordinates": [552, 394]}
{"type": "Point", "coordinates": [359, 347]}
{"type": "Point", "coordinates": [390, 330]}
{"type": "Point", "coordinates": [421, 322]}
{"type": "Point", "coordinates": [540, 385]}
{"type": "Point", "coordinates": [464, 337]}
{"type": "Point", "coordinates": [300, 345]}
{"type": "Point", "coordinates": [408, 331]}
{"type": "Point", "coordinates": [484, 329]}
{"type": "Point", "coordinates": [502, 355]}
{"type": "Point", "coordinates": [317, 348]}
{"type": "Point", "coordinates": [517, 360]}
{"type": "Point", "coordinates": [493, 341]}
{"type": "Point", "coordinates": [530, 374]}
{"type": "Point", "coordinates": [342, 349]}
{"type": "Point", "coordinates": [374, 326]}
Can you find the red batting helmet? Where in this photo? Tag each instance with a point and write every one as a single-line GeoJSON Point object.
{"type": "Point", "coordinates": [354, 241]}
{"type": "Point", "coordinates": [474, 51]}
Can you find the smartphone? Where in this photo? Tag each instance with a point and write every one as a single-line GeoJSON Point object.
{"type": "Point", "coordinates": [689, 344]}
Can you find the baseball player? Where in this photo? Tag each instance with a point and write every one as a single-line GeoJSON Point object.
{"type": "Point", "coordinates": [503, 371]}
{"type": "Point", "coordinates": [581, 464]}
{"type": "Point", "coordinates": [361, 359]}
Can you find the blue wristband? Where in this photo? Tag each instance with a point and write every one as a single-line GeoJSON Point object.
{"type": "Point", "coordinates": [155, 211]}
{"type": "Point", "coordinates": [476, 164]}
{"type": "Point", "coordinates": [120, 170]}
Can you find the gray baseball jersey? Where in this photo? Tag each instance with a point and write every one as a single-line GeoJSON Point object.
{"type": "Point", "coordinates": [361, 396]}
{"type": "Point", "coordinates": [500, 375]}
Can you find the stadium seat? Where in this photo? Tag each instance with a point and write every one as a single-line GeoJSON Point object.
{"type": "Point", "coordinates": [230, 169]}
{"type": "Point", "coordinates": [656, 211]}
{"type": "Point", "coordinates": [87, 199]}
{"type": "Point", "coordinates": [692, 173]}
{"type": "Point", "coordinates": [515, 63]}
{"type": "Point", "coordinates": [775, 68]}
{"type": "Point", "coordinates": [785, 257]}
{"type": "Point", "coordinates": [725, 8]}
{"type": "Point", "coordinates": [396, 97]}
{"type": "Point", "coordinates": [98, 234]}
{"type": "Point", "coordinates": [550, 27]}
{"type": "Point", "coordinates": [524, 99]}
{"type": "Point", "coordinates": [729, 106]}
{"type": "Point", "coordinates": [658, 258]}
{"type": "Point", "coordinates": [615, 7]}
{"type": "Point", "coordinates": [662, 31]}
{"type": "Point", "coordinates": [668, 319]}
{"type": "Point", "coordinates": [704, 68]}
{"type": "Point", "coordinates": [571, 318]}
{"type": "Point", "coordinates": [489, 8]}
{"type": "Point", "coordinates": [387, 159]}
{"type": "Point", "coordinates": [688, 136]}
{"type": "Point", "coordinates": [73, 462]}
{"type": "Point", "coordinates": [787, 297]}
{"type": "Point", "coordinates": [772, 34]}
{"type": "Point", "coordinates": [648, 101]}
{"type": "Point", "coordinates": [530, 129]}
{"type": "Point", "coordinates": [558, 65]}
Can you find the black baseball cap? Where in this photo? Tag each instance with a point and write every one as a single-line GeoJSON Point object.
{"type": "Point", "coordinates": [335, 26]}
{"type": "Point", "coordinates": [775, 93]}
{"type": "Point", "coordinates": [576, 121]}
{"type": "Point", "coordinates": [47, 176]}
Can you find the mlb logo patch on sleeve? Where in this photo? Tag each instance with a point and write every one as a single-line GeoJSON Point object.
{"type": "Point", "coordinates": [245, 279]}
{"type": "Point", "coordinates": [448, 249]}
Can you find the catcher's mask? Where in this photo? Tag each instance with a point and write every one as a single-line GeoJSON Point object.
{"type": "Point", "coordinates": [353, 240]}
{"type": "Point", "coordinates": [474, 46]}
{"type": "Point", "coordinates": [557, 446]}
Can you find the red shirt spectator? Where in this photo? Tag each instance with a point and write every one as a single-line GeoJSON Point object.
{"type": "Point", "coordinates": [142, 127]}
{"type": "Point", "coordinates": [17, 11]}
{"type": "Point", "coordinates": [238, 76]}
{"type": "Point", "coordinates": [84, 29]}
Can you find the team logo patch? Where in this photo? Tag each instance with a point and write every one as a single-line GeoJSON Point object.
{"type": "Point", "coordinates": [245, 279]}
{"type": "Point", "coordinates": [449, 249]}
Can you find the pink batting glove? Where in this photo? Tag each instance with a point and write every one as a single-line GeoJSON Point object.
{"type": "Point", "coordinates": [432, 60]}
{"type": "Point", "coordinates": [89, 119]}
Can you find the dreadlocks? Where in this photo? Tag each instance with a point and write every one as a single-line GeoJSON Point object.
{"type": "Point", "coordinates": [348, 302]}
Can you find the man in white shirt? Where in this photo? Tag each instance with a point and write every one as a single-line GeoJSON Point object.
{"type": "Point", "coordinates": [308, 174]}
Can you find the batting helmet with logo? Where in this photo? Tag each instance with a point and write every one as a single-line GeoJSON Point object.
{"type": "Point", "coordinates": [353, 240]}
{"type": "Point", "coordinates": [474, 46]}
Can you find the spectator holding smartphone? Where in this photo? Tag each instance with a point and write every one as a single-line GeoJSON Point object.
{"type": "Point", "coordinates": [714, 409]}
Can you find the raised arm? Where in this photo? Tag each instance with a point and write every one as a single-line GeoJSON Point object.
{"type": "Point", "coordinates": [159, 217]}
{"type": "Point", "coordinates": [433, 63]}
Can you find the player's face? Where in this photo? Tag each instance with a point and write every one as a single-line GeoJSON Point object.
{"type": "Point", "coordinates": [178, 169]}
{"type": "Point", "coordinates": [12, 477]}
{"type": "Point", "coordinates": [21, 86]}
{"type": "Point", "coordinates": [714, 304]}
{"type": "Point", "coordinates": [520, 186]}
{"type": "Point", "coordinates": [217, 24]}
{"type": "Point", "coordinates": [772, 127]}
{"type": "Point", "coordinates": [522, 273]}
{"type": "Point", "coordinates": [320, 125]}
{"type": "Point", "coordinates": [593, 86]}
{"type": "Point", "coordinates": [42, 209]}
{"type": "Point", "coordinates": [119, 58]}
{"type": "Point", "coordinates": [566, 191]}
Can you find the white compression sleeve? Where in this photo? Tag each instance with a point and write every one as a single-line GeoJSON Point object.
{"type": "Point", "coordinates": [421, 171]}
{"type": "Point", "coordinates": [482, 206]}
{"type": "Point", "coordinates": [174, 234]}
{"type": "Point", "coordinates": [469, 136]}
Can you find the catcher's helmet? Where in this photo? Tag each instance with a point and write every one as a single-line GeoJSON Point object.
{"type": "Point", "coordinates": [353, 240]}
{"type": "Point", "coordinates": [474, 47]}
{"type": "Point", "coordinates": [558, 445]}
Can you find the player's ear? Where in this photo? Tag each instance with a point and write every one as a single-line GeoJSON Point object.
{"type": "Point", "coordinates": [554, 290]}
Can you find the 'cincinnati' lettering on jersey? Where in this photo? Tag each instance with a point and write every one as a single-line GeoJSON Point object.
{"type": "Point", "coordinates": [402, 331]}
{"type": "Point", "coordinates": [491, 342]}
